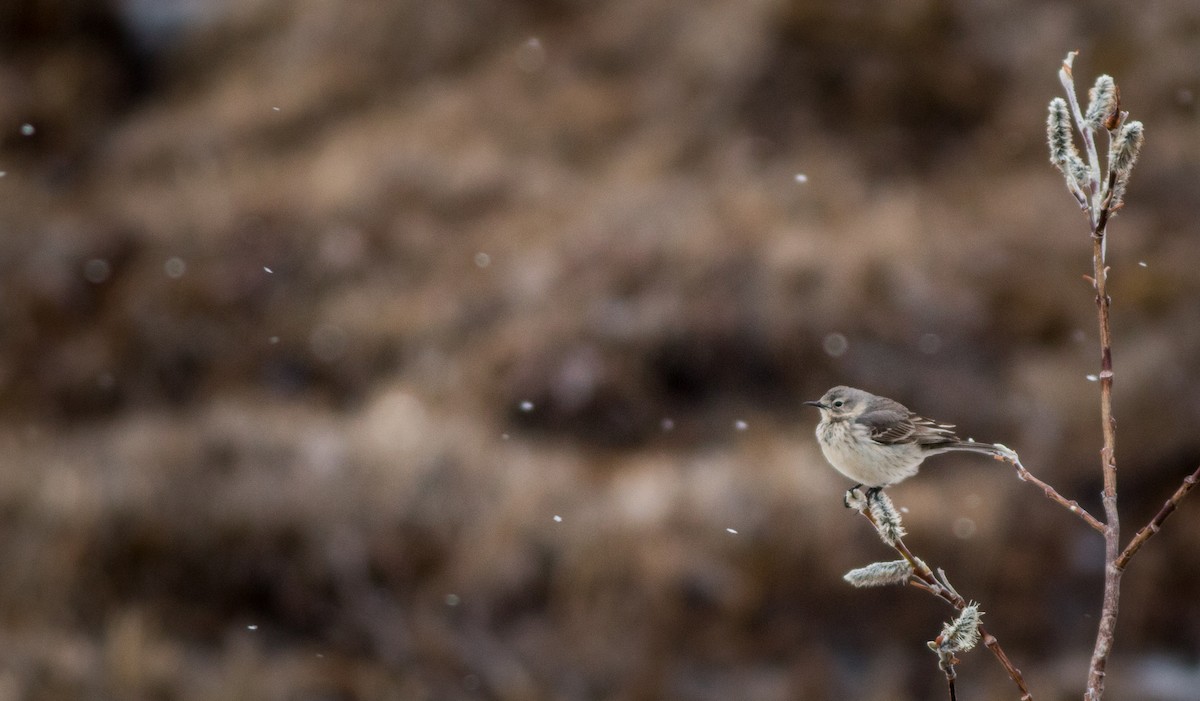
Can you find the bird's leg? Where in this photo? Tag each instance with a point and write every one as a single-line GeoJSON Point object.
{"type": "Point", "coordinates": [873, 493]}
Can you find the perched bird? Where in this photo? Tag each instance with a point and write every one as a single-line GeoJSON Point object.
{"type": "Point", "coordinates": [877, 441]}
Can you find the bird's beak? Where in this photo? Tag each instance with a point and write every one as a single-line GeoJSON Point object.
{"type": "Point", "coordinates": [817, 404]}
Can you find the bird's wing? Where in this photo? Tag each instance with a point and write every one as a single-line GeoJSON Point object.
{"type": "Point", "coordinates": [888, 425]}
{"type": "Point", "coordinates": [891, 425]}
{"type": "Point", "coordinates": [930, 432]}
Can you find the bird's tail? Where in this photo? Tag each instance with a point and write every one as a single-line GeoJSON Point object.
{"type": "Point", "coordinates": [974, 447]}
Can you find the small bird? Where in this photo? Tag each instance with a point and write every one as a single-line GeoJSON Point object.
{"type": "Point", "coordinates": [877, 441]}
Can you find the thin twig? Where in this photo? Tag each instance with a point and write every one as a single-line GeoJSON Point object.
{"type": "Point", "coordinates": [1155, 523]}
{"type": "Point", "coordinates": [992, 644]}
{"type": "Point", "coordinates": [1010, 456]}
{"type": "Point", "coordinates": [1112, 530]}
{"type": "Point", "coordinates": [950, 677]}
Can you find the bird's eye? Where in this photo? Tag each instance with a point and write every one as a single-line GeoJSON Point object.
{"type": "Point", "coordinates": [838, 402]}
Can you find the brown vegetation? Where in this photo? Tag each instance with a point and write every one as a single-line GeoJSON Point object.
{"type": "Point", "coordinates": [397, 350]}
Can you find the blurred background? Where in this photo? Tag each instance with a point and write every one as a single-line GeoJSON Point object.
{"type": "Point", "coordinates": [454, 350]}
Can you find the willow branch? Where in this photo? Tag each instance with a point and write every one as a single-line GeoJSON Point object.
{"type": "Point", "coordinates": [1010, 456]}
{"type": "Point", "coordinates": [1105, 189]}
{"type": "Point", "coordinates": [924, 578]}
{"type": "Point", "coordinates": [1155, 523]}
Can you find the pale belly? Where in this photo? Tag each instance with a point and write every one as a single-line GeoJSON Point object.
{"type": "Point", "coordinates": [864, 461]}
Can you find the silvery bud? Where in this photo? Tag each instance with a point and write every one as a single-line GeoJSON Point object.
{"type": "Point", "coordinates": [962, 633]}
{"type": "Point", "coordinates": [1126, 147]}
{"type": "Point", "coordinates": [1105, 100]}
{"type": "Point", "coordinates": [887, 519]}
{"type": "Point", "coordinates": [880, 574]}
{"type": "Point", "coordinates": [1058, 134]}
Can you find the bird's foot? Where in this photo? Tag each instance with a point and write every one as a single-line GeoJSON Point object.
{"type": "Point", "coordinates": [856, 500]}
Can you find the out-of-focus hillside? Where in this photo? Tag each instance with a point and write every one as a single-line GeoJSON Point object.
{"type": "Point", "coordinates": [454, 350]}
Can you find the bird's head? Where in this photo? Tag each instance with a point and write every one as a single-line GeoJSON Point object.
{"type": "Point", "coordinates": [841, 402]}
